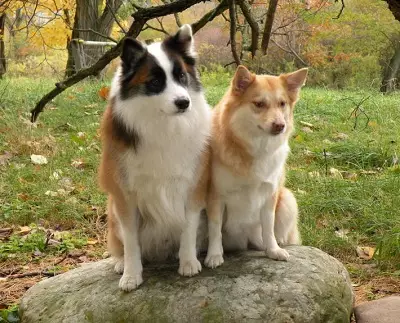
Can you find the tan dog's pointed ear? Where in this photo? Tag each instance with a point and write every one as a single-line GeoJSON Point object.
{"type": "Point", "coordinates": [295, 80]}
{"type": "Point", "coordinates": [242, 79]}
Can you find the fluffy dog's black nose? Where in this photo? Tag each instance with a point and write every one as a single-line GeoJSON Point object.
{"type": "Point", "coordinates": [182, 104]}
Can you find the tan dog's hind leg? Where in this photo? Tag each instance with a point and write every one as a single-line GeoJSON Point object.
{"type": "Point", "coordinates": [286, 215]}
{"type": "Point", "coordinates": [114, 243]}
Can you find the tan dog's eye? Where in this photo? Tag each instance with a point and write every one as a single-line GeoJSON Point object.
{"type": "Point", "coordinates": [282, 104]}
{"type": "Point", "coordinates": [259, 104]}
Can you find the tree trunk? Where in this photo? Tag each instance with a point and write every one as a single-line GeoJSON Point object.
{"type": "Point", "coordinates": [390, 80]}
{"type": "Point", "coordinates": [70, 68]}
{"type": "Point", "coordinates": [88, 18]}
{"type": "Point", "coordinates": [2, 45]}
{"type": "Point", "coordinates": [268, 25]}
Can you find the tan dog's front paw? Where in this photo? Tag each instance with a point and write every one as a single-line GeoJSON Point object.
{"type": "Point", "coordinates": [277, 254]}
{"type": "Point", "coordinates": [119, 266]}
{"type": "Point", "coordinates": [214, 261]}
{"type": "Point", "coordinates": [189, 267]}
{"type": "Point", "coordinates": [128, 282]}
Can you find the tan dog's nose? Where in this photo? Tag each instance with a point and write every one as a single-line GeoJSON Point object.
{"type": "Point", "coordinates": [277, 128]}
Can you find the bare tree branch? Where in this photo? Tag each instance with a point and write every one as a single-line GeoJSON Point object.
{"type": "Point", "coordinates": [141, 16]}
{"type": "Point", "coordinates": [268, 25]}
{"type": "Point", "coordinates": [209, 16]}
{"type": "Point", "coordinates": [255, 30]}
{"type": "Point", "coordinates": [115, 17]}
{"type": "Point", "coordinates": [232, 32]}
{"type": "Point", "coordinates": [341, 9]}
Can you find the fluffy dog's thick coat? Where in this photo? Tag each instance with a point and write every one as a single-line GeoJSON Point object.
{"type": "Point", "coordinates": [154, 151]}
{"type": "Point", "coordinates": [250, 132]}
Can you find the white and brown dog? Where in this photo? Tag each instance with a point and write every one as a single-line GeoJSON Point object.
{"type": "Point", "coordinates": [250, 133]}
{"type": "Point", "coordinates": [154, 153]}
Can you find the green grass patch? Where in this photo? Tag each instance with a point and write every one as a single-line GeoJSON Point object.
{"type": "Point", "coordinates": [360, 206]}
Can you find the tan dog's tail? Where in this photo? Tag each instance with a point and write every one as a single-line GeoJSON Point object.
{"type": "Point", "coordinates": [114, 244]}
{"type": "Point", "coordinates": [286, 214]}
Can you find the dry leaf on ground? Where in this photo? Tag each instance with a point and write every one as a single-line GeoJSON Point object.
{"type": "Point", "coordinates": [365, 253]}
{"type": "Point", "coordinates": [38, 159]}
{"type": "Point", "coordinates": [103, 92]}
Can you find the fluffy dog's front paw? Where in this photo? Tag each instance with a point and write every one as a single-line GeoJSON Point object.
{"type": "Point", "coordinates": [119, 266]}
{"type": "Point", "coordinates": [189, 267]}
{"type": "Point", "coordinates": [277, 254]}
{"type": "Point", "coordinates": [214, 261]}
{"type": "Point", "coordinates": [130, 282]}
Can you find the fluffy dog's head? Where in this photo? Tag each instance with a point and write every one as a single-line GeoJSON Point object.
{"type": "Point", "coordinates": [262, 105]}
{"type": "Point", "coordinates": [160, 76]}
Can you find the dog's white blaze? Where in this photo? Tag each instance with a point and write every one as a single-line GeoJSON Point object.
{"type": "Point", "coordinates": [163, 170]}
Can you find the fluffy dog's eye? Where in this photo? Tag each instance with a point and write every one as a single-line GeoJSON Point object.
{"type": "Point", "coordinates": [155, 82]}
{"type": "Point", "coordinates": [282, 104]}
{"type": "Point", "coordinates": [259, 104]}
{"type": "Point", "coordinates": [182, 77]}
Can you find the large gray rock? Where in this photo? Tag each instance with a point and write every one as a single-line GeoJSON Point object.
{"type": "Point", "coordinates": [384, 310]}
{"type": "Point", "coordinates": [311, 287]}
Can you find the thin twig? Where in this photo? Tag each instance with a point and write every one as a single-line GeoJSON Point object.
{"type": "Point", "coordinates": [45, 272]}
{"type": "Point", "coordinates": [341, 9]}
{"type": "Point", "coordinates": [115, 17]}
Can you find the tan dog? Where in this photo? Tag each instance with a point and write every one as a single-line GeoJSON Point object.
{"type": "Point", "coordinates": [250, 133]}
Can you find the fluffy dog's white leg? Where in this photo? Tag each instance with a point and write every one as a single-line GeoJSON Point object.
{"type": "Point", "coordinates": [286, 215]}
{"type": "Point", "coordinates": [215, 211]}
{"type": "Point", "coordinates": [188, 263]}
{"type": "Point", "coordinates": [267, 215]}
{"type": "Point", "coordinates": [128, 216]}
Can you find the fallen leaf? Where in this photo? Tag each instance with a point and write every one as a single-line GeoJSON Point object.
{"type": "Point", "coordinates": [307, 124]}
{"type": "Point", "coordinates": [24, 230]}
{"type": "Point", "coordinates": [341, 136]}
{"type": "Point", "coordinates": [103, 92]}
{"type": "Point", "coordinates": [368, 172]}
{"type": "Point", "coordinates": [5, 233]}
{"type": "Point", "coordinates": [342, 233]}
{"type": "Point", "coordinates": [23, 196]}
{"type": "Point", "coordinates": [349, 175]}
{"type": "Point", "coordinates": [335, 173]}
{"type": "Point", "coordinates": [203, 303]}
{"type": "Point", "coordinates": [51, 193]}
{"type": "Point", "coordinates": [314, 174]}
{"type": "Point", "coordinates": [299, 138]}
{"type": "Point", "coordinates": [372, 124]}
{"type": "Point", "coordinates": [83, 259]}
{"type": "Point", "coordinates": [81, 134]}
{"type": "Point", "coordinates": [92, 241]}
{"type": "Point", "coordinates": [38, 159]}
{"type": "Point", "coordinates": [79, 164]}
{"type": "Point", "coordinates": [76, 253]}
{"type": "Point", "coordinates": [5, 157]}
{"type": "Point", "coordinates": [365, 253]}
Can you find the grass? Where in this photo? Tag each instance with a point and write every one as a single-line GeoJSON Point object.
{"type": "Point", "coordinates": [348, 197]}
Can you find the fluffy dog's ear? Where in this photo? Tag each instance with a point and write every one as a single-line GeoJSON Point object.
{"type": "Point", "coordinates": [242, 80]}
{"type": "Point", "coordinates": [132, 51]}
{"type": "Point", "coordinates": [295, 80]}
{"type": "Point", "coordinates": [182, 41]}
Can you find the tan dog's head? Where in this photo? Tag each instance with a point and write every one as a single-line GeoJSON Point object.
{"type": "Point", "coordinates": [263, 104]}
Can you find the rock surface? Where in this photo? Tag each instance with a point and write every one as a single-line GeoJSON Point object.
{"type": "Point", "coordinates": [384, 310]}
{"type": "Point", "coordinates": [311, 287]}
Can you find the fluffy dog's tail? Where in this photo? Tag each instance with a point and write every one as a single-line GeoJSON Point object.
{"type": "Point", "coordinates": [286, 214]}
